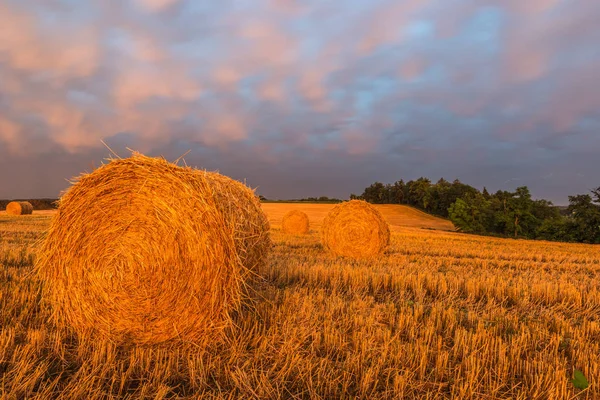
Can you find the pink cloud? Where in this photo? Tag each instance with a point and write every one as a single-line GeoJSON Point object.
{"type": "Point", "coordinates": [413, 68]}
{"type": "Point", "coordinates": [290, 7]}
{"type": "Point", "coordinates": [387, 23]}
{"type": "Point", "coordinates": [229, 127]}
{"type": "Point", "coordinates": [531, 6]}
{"type": "Point", "coordinates": [269, 43]}
{"type": "Point", "coordinates": [133, 85]}
{"type": "Point", "coordinates": [573, 98]}
{"type": "Point", "coordinates": [312, 87]}
{"type": "Point", "coordinates": [10, 133]}
{"type": "Point", "coordinates": [271, 89]}
{"type": "Point", "coordinates": [526, 64]}
{"type": "Point", "coordinates": [357, 141]}
{"type": "Point", "coordinates": [227, 76]}
{"type": "Point", "coordinates": [146, 49]}
{"type": "Point", "coordinates": [156, 5]}
{"type": "Point", "coordinates": [63, 50]}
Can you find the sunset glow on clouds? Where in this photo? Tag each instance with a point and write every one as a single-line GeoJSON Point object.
{"type": "Point", "coordinates": [305, 98]}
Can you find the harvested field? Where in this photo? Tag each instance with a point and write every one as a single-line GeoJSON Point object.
{"type": "Point", "coordinates": [441, 315]}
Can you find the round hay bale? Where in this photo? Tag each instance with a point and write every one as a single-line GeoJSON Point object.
{"type": "Point", "coordinates": [295, 222]}
{"type": "Point", "coordinates": [144, 251]}
{"type": "Point", "coordinates": [355, 229]}
{"type": "Point", "coordinates": [19, 208]}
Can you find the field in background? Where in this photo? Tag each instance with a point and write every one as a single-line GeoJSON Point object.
{"type": "Point", "coordinates": [440, 315]}
{"type": "Point", "coordinates": [398, 216]}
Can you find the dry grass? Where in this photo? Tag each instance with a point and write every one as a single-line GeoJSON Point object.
{"type": "Point", "coordinates": [440, 316]}
{"type": "Point", "coordinates": [144, 251]}
{"type": "Point", "coordinates": [19, 208]}
{"type": "Point", "coordinates": [295, 222]}
{"type": "Point", "coordinates": [355, 229]}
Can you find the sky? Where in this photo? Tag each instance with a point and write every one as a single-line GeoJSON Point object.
{"type": "Point", "coordinates": [302, 98]}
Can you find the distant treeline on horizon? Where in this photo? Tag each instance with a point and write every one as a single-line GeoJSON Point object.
{"type": "Point", "coordinates": [322, 199]}
{"type": "Point", "coordinates": [504, 213]}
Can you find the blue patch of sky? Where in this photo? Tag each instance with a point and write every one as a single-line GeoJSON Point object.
{"type": "Point", "coordinates": [80, 97]}
{"type": "Point", "coordinates": [65, 10]}
{"type": "Point", "coordinates": [245, 88]}
{"type": "Point", "coordinates": [588, 123]}
{"type": "Point", "coordinates": [118, 39]}
{"type": "Point", "coordinates": [377, 89]}
{"type": "Point", "coordinates": [321, 141]}
{"type": "Point", "coordinates": [338, 94]}
{"type": "Point", "coordinates": [435, 74]}
{"type": "Point", "coordinates": [317, 29]}
{"type": "Point", "coordinates": [200, 30]}
{"type": "Point", "coordinates": [420, 29]}
{"type": "Point", "coordinates": [484, 27]}
{"type": "Point", "coordinates": [313, 39]}
{"type": "Point", "coordinates": [480, 34]}
{"type": "Point", "coordinates": [193, 9]}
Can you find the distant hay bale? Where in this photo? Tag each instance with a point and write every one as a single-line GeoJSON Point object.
{"type": "Point", "coordinates": [144, 251]}
{"type": "Point", "coordinates": [19, 208]}
{"type": "Point", "coordinates": [355, 229]}
{"type": "Point", "coordinates": [295, 222]}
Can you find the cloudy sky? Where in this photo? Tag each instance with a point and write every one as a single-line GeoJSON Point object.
{"type": "Point", "coordinates": [304, 97]}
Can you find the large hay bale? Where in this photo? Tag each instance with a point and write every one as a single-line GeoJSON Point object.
{"type": "Point", "coordinates": [144, 251]}
{"type": "Point", "coordinates": [19, 208]}
{"type": "Point", "coordinates": [295, 222]}
{"type": "Point", "coordinates": [355, 229]}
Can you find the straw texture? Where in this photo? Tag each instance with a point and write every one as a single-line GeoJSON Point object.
{"type": "Point", "coordinates": [355, 229]}
{"type": "Point", "coordinates": [295, 222]}
{"type": "Point", "coordinates": [144, 251]}
{"type": "Point", "coordinates": [19, 208]}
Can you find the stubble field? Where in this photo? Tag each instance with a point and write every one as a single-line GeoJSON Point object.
{"type": "Point", "coordinates": [440, 315]}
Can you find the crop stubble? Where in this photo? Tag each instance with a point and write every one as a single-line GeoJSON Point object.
{"type": "Point", "coordinates": [443, 315]}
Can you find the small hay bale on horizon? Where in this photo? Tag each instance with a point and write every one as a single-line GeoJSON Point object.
{"type": "Point", "coordinates": [355, 229]}
{"type": "Point", "coordinates": [19, 208]}
{"type": "Point", "coordinates": [144, 251]}
{"type": "Point", "coordinates": [295, 222]}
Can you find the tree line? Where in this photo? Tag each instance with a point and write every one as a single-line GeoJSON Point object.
{"type": "Point", "coordinates": [322, 199]}
{"type": "Point", "coordinates": [503, 213]}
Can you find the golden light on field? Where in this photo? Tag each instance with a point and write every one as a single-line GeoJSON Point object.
{"type": "Point", "coordinates": [441, 315]}
{"type": "Point", "coordinates": [398, 216]}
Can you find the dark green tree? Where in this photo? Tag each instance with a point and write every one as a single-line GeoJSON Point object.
{"type": "Point", "coordinates": [418, 193]}
{"type": "Point", "coordinates": [486, 194]}
{"type": "Point", "coordinates": [397, 192]}
{"type": "Point", "coordinates": [470, 214]}
{"type": "Point", "coordinates": [376, 193]}
{"type": "Point", "coordinates": [520, 206]}
{"type": "Point", "coordinates": [440, 197]}
{"type": "Point", "coordinates": [585, 215]}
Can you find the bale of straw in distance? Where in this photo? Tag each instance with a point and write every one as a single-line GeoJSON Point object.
{"type": "Point", "coordinates": [355, 229]}
{"type": "Point", "coordinates": [144, 251]}
{"type": "Point", "coordinates": [19, 208]}
{"type": "Point", "coordinates": [295, 222]}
